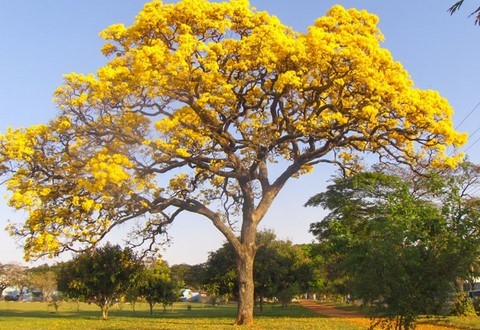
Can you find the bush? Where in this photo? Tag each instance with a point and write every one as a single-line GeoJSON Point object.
{"type": "Point", "coordinates": [462, 306]}
{"type": "Point", "coordinates": [476, 305]}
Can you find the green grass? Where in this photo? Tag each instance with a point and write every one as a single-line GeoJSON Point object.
{"type": "Point", "coordinates": [454, 322]}
{"type": "Point", "coordinates": [19, 315]}
{"type": "Point", "coordinates": [14, 315]}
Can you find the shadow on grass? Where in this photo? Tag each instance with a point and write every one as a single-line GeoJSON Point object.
{"type": "Point", "coordinates": [179, 311]}
{"type": "Point", "coordinates": [294, 311]}
{"type": "Point", "coordinates": [49, 314]}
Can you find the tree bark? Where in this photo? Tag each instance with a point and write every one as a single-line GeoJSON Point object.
{"type": "Point", "coordinates": [245, 287]}
{"type": "Point", "coordinates": [105, 304]}
{"type": "Point", "coordinates": [459, 284]}
{"type": "Point", "coordinates": [150, 304]}
{"type": "Point", "coordinates": [105, 311]}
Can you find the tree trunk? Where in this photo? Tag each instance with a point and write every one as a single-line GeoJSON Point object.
{"type": "Point", "coordinates": [459, 284]}
{"type": "Point", "coordinates": [105, 303]}
{"type": "Point", "coordinates": [245, 287]}
{"type": "Point", "coordinates": [105, 311]}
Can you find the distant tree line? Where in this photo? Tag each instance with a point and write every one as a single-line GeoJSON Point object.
{"type": "Point", "coordinates": [110, 274]}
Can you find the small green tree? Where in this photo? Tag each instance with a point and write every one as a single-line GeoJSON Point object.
{"type": "Point", "coordinates": [157, 286]}
{"type": "Point", "coordinates": [169, 293]}
{"type": "Point", "coordinates": [101, 276]}
{"type": "Point", "coordinates": [133, 293]}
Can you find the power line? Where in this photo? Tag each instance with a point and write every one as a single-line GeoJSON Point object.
{"type": "Point", "coordinates": [475, 131]}
{"type": "Point", "coordinates": [469, 136]}
{"type": "Point", "coordinates": [471, 111]}
{"type": "Point", "coordinates": [474, 142]}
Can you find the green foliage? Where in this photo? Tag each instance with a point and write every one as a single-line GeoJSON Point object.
{"type": "Point", "coordinates": [220, 273]}
{"type": "Point", "coordinates": [476, 305]}
{"type": "Point", "coordinates": [328, 279]}
{"type": "Point", "coordinates": [193, 276]}
{"type": "Point", "coordinates": [155, 285]}
{"type": "Point", "coordinates": [101, 276]}
{"type": "Point", "coordinates": [462, 305]}
{"type": "Point", "coordinates": [281, 270]}
{"type": "Point", "coordinates": [392, 244]}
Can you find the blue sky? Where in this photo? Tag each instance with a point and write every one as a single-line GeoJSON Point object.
{"type": "Point", "coordinates": [42, 40]}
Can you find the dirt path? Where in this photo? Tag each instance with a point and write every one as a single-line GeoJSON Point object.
{"type": "Point", "coordinates": [354, 316]}
{"type": "Point", "coordinates": [328, 310]}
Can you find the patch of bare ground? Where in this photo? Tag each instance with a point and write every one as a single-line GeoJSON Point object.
{"type": "Point", "coordinates": [328, 310]}
{"type": "Point", "coordinates": [353, 316]}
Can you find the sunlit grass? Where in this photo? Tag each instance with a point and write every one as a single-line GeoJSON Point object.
{"type": "Point", "coordinates": [453, 322]}
{"type": "Point", "coordinates": [15, 315]}
{"type": "Point", "coordinates": [423, 323]}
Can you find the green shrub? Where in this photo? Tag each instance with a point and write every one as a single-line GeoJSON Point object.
{"type": "Point", "coordinates": [476, 305]}
{"type": "Point", "coordinates": [462, 306]}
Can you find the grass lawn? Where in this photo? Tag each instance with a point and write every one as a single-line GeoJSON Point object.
{"type": "Point", "coordinates": [454, 322]}
{"type": "Point", "coordinates": [28, 315]}
{"type": "Point", "coordinates": [451, 322]}
{"type": "Point", "coordinates": [34, 315]}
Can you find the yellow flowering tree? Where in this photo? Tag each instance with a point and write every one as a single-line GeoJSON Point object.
{"type": "Point", "coordinates": [210, 108]}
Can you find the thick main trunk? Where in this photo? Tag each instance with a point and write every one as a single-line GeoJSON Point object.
{"type": "Point", "coordinates": [245, 288]}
